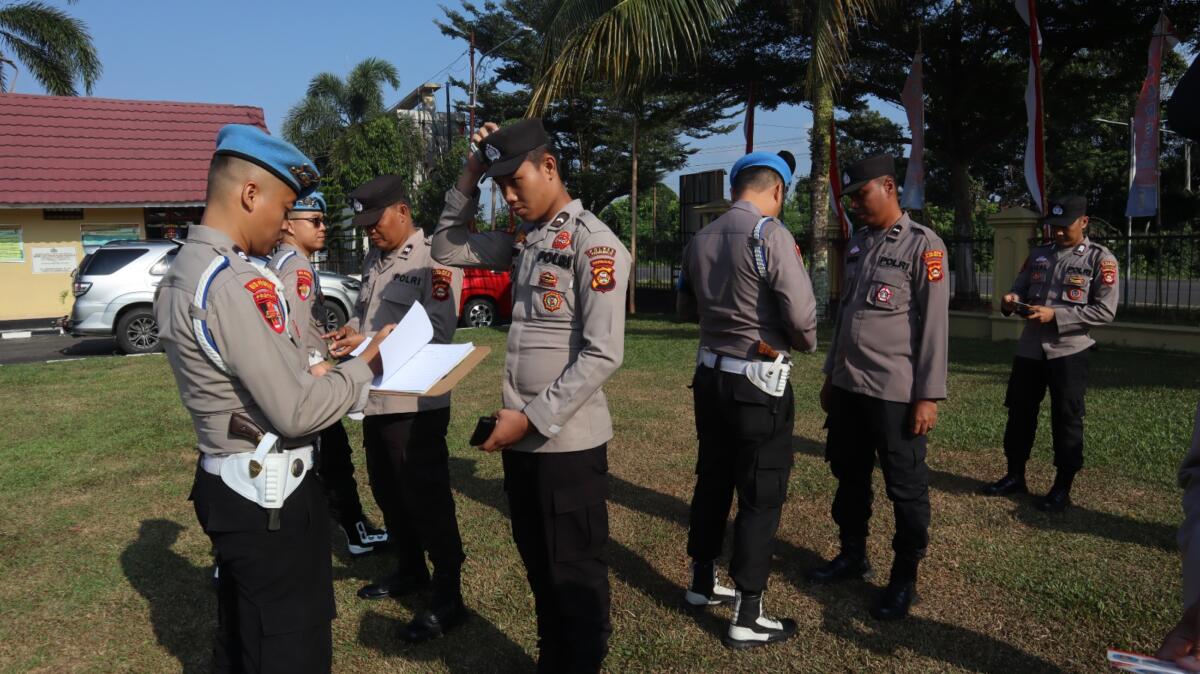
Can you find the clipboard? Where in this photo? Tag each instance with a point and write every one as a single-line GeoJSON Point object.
{"type": "Point", "coordinates": [448, 382]}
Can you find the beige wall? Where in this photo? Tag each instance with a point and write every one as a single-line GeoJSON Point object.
{"type": "Point", "coordinates": [25, 295]}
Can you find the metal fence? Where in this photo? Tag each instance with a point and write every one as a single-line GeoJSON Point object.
{"type": "Point", "coordinates": [343, 253]}
{"type": "Point", "coordinates": [970, 263]}
{"type": "Point", "coordinates": [1160, 276]}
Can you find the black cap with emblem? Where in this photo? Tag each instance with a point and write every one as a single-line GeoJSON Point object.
{"type": "Point", "coordinates": [504, 150]}
{"type": "Point", "coordinates": [369, 200]}
{"type": "Point", "coordinates": [1065, 209]}
{"type": "Point", "coordinates": [864, 171]}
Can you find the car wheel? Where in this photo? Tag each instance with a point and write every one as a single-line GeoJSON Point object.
{"type": "Point", "coordinates": [137, 331]}
{"type": "Point", "coordinates": [332, 316]}
{"type": "Point", "coordinates": [479, 312]}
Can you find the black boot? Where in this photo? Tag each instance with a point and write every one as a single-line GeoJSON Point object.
{"type": "Point", "coordinates": [751, 627]}
{"type": "Point", "coordinates": [1059, 498]}
{"type": "Point", "coordinates": [895, 601]}
{"type": "Point", "coordinates": [446, 609]}
{"type": "Point", "coordinates": [850, 563]}
{"type": "Point", "coordinates": [1009, 484]}
{"type": "Point", "coordinates": [362, 538]}
{"type": "Point", "coordinates": [705, 590]}
{"type": "Point", "coordinates": [396, 585]}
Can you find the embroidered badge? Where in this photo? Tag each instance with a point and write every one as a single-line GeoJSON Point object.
{"type": "Point", "coordinates": [1108, 272]}
{"type": "Point", "coordinates": [559, 220]}
{"type": "Point", "coordinates": [356, 205]}
{"type": "Point", "coordinates": [562, 241]}
{"type": "Point", "coordinates": [304, 283]}
{"type": "Point", "coordinates": [1081, 249]}
{"type": "Point", "coordinates": [604, 276]}
{"type": "Point", "coordinates": [933, 265]}
{"type": "Point", "coordinates": [404, 252]}
{"type": "Point", "coordinates": [441, 284]}
{"type": "Point", "coordinates": [607, 251]}
{"type": "Point", "coordinates": [1077, 280]}
{"type": "Point", "coordinates": [267, 301]}
{"type": "Point", "coordinates": [552, 300]}
{"type": "Point", "coordinates": [305, 175]}
{"type": "Point", "coordinates": [557, 259]}
{"type": "Point", "coordinates": [1075, 294]}
{"type": "Point", "coordinates": [883, 295]}
{"type": "Point", "coordinates": [492, 152]}
{"type": "Point", "coordinates": [855, 251]}
{"type": "Point", "coordinates": [548, 279]}
{"type": "Point", "coordinates": [1041, 262]}
{"type": "Point", "coordinates": [1057, 210]}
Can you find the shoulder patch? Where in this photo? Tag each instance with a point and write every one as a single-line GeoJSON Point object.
{"type": "Point", "coordinates": [1108, 271]}
{"type": "Point", "coordinates": [304, 283]}
{"type": "Point", "coordinates": [266, 299]}
{"type": "Point", "coordinates": [933, 265]}
{"type": "Point", "coordinates": [604, 274]}
{"type": "Point", "coordinates": [607, 251]}
{"type": "Point", "coordinates": [441, 290]}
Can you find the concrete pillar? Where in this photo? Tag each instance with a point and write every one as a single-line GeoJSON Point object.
{"type": "Point", "coordinates": [1012, 229]}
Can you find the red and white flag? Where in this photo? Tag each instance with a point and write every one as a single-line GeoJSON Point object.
{"type": "Point", "coordinates": [1035, 153]}
{"type": "Point", "coordinates": [913, 97]}
{"type": "Point", "coordinates": [1143, 188]}
{"type": "Point", "coordinates": [835, 184]}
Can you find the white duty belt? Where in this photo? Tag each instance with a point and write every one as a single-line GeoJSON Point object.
{"type": "Point", "coordinates": [769, 376]}
{"type": "Point", "coordinates": [262, 476]}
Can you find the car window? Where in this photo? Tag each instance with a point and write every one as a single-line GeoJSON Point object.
{"type": "Point", "coordinates": [105, 261]}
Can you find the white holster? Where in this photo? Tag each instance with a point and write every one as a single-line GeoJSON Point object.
{"type": "Point", "coordinates": [770, 377]}
{"type": "Point", "coordinates": [264, 477]}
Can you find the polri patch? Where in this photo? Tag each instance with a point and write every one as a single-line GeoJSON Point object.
{"type": "Point", "coordinates": [441, 284]}
{"type": "Point", "coordinates": [1075, 294]}
{"type": "Point", "coordinates": [604, 274]}
{"type": "Point", "coordinates": [933, 265]}
{"type": "Point", "coordinates": [267, 301]}
{"type": "Point", "coordinates": [607, 251]}
{"type": "Point", "coordinates": [1108, 272]}
{"type": "Point", "coordinates": [562, 241]}
{"type": "Point", "coordinates": [304, 284]}
{"type": "Point", "coordinates": [883, 295]}
{"type": "Point", "coordinates": [548, 279]}
{"type": "Point", "coordinates": [552, 300]}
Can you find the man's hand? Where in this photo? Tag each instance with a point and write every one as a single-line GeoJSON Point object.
{"type": "Point", "coordinates": [1008, 302]}
{"type": "Point", "coordinates": [826, 395]}
{"type": "Point", "coordinates": [924, 416]}
{"type": "Point", "coordinates": [475, 167]}
{"type": "Point", "coordinates": [1040, 314]}
{"type": "Point", "coordinates": [1180, 644]}
{"type": "Point", "coordinates": [511, 427]}
{"type": "Point", "coordinates": [371, 353]}
{"type": "Point", "coordinates": [345, 339]}
{"type": "Point", "coordinates": [320, 369]}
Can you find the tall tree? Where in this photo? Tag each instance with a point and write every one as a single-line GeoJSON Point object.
{"type": "Point", "coordinates": [52, 45]}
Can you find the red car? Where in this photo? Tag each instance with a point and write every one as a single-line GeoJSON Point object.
{"type": "Point", "coordinates": [486, 298]}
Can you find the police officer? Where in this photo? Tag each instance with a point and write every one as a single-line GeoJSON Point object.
{"type": "Point", "coordinates": [224, 324]}
{"type": "Point", "coordinates": [884, 376]}
{"type": "Point", "coordinates": [1182, 644]}
{"type": "Point", "coordinates": [570, 273]}
{"type": "Point", "coordinates": [1063, 289]}
{"type": "Point", "coordinates": [743, 278]}
{"type": "Point", "coordinates": [405, 436]}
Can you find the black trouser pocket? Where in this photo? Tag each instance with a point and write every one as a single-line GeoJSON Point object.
{"type": "Point", "coordinates": [580, 520]}
{"type": "Point", "coordinates": [770, 487]}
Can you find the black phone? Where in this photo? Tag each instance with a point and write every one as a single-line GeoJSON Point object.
{"type": "Point", "coordinates": [483, 431]}
{"type": "Point", "coordinates": [1022, 309]}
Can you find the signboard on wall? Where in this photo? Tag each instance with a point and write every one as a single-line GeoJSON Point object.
{"type": "Point", "coordinates": [53, 260]}
{"type": "Point", "coordinates": [11, 249]}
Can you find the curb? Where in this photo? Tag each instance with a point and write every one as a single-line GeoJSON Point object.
{"type": "Point", "coordinates": [26, 334]}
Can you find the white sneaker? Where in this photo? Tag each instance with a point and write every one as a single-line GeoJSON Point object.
{"type": "Point", "coordinates": [751, 627]}
{"type": "Point", "coordinates": [719, 594]}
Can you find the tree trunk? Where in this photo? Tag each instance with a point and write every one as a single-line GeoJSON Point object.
{"type": "Point", "coordinates": [966, 285]}
{"type": "Point", "coordinates": [633, 219]}
{"type": "Point", "coordinates": [821, 230]}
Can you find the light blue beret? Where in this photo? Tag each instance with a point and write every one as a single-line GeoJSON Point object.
{"type": "Point", "coordinates": [276, 155]}
{"type": "Point", "coordinates": [768, 159]}
{"type": "Point", "coordinates": [314, 202]}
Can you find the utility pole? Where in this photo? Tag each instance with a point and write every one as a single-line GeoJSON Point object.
{"type": "Point", "coordinates": [471, 128]}
{"type": "Point", "coordinates": [449, 140]}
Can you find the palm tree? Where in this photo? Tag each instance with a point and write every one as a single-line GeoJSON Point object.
{"type": "Point", "coordinates": [625, 44]}
{"type": "Point", "coordinates": [333, 105]}
{"type": "Point", "coordinates": [831, 22]}
{"type": "Point", "coordinates": [54, 47]}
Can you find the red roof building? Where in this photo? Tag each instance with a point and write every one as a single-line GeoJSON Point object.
{"type": "Point", "coordinates": [76, 172]}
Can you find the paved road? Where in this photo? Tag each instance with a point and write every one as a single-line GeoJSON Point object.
{"type": "Point", "coordinates": [40, 348]}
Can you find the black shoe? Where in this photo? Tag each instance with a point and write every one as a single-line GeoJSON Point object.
{"type": "Point", "coordinates": [1006, 485]}
{"type": "Point", "coordinates": [434, 622]}
{"type": "Point", "coordinates": [751, 627]}
{"type": "Point", "coordinates": [895, 601]}
{"type": "Point", "coordinates": [1056, 501]}
{"type": "Point", "coordinates": [845, 566]}
{"type": "Point", "coordinates": [705, 590]}
{"type": "Point", "coordinates": [395, 585]}
{"type": "Point", "coordinates": [362, 538]}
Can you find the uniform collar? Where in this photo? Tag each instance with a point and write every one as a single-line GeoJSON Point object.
{"type": "Point", "coordinates": [743, 205]}
{"type": "Point", "coordinates": [283, 247]}
{"type": "Point", "coordinates": [899, 226]}
{"type": "Point", "coordinates": [405, 250]}
{"type": "Point", "coordinates": [215, 238]}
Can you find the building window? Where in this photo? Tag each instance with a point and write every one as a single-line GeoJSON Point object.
{"type": "Point", "coordinates": [62, 213]}
{"type": "Point", "coordinates": [171, 223]}
{"type": "Point", "coordinates": [11, 247]}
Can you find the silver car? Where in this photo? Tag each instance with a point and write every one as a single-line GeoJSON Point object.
{"type": "Point", "coordinates": [114, 293]}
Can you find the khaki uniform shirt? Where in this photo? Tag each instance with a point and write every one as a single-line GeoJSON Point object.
{"type": "Point", "coordinates": [1080, 284]}
{"type": "Point", "coordinates": [304, 297]}
{"type": "Point", "coordinates": [391, 282]}
{"type": "Point", "coordinates": [891, 331]}
{"type": "Point", "coordinates": [720, 284]}
{"type": "Point", "coordinates": [245, 320]}
{"type": "Point", "coordinates": [1189, 531]}
{"type": "Point", "coordinates": [568, 332]}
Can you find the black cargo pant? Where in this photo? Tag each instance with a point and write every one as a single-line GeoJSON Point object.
{"type": "Point", "coordinates": [558, 503]}
{"type": "Point", "coordinates": [1066, 378]}
{"type": "Point", "coordinates": [336, 469]}
{"type": "Point", "coordinates": [408, 464]}
{"type": "Point", "coordinates": [860, 428]}
{"type": "Point", "coordinates": [275, 591]}
{"type": "Point", "coordinates": [745, 447]}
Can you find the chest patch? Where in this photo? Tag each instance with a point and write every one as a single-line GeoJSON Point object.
{"type": "Point", "coordinates": [893, 263]}
{"type": "Point", "coordinates": [267, 301]}
{"type": "Point", "coordinates": [562, 241]}
{"type": "Point", "coordinates": [552, 300]}
{"type": "Point", "coordinates": [557, 259]}
{"type": "Point", "coordinates": [1075, 294]}
{"type": "Point", "coordinates": [410, 279]}
{"type": "Point", "coordinates": [548, 279]}
{"type": "Point", "coordinates": [883, 295]}
{"type": "Point", "coordinates": [304, 284]}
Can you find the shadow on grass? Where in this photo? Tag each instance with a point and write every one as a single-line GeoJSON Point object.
{"type": "Point", "coordinates": [476, 645]}
{"type": "Point", "coordinates": [844, 607]}
{"type": "Point", "coordinates": [1078, 519]}
{"type": "Point", "coordinates": [1110, 367]}
{"type": "Point", "coordinates": [183, 607]}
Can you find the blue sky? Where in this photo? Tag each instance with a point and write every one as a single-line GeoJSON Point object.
{"type": "Point", "coordinates": [264, 53]}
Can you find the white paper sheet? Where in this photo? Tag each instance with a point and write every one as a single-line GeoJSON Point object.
{"type": "Point", "coordinates": [426, 368]}
{"type": "Point", "coordinates": [411, 334]}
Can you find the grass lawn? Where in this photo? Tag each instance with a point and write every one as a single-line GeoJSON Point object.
{"type": "Point", "coordinates": [105, 568]}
